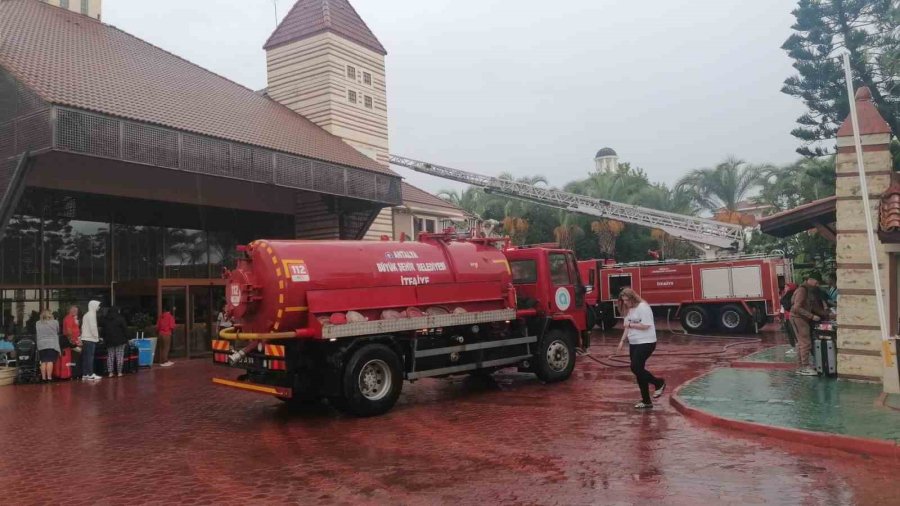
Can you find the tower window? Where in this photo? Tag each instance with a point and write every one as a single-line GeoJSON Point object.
{"type": "Point", "coordinates": [351, 96]}
{"type": "Point", "coordinates": [368, 101]}
{"type": "Point", "coordinates": [367, 78]}
{"type": "Point", "coordinates": [85, 6]}
{"type": "Point", "coordinates": [351, 72]}
{"type": "Point", "coordinates": [64, 4]}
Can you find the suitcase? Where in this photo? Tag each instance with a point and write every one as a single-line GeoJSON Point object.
{"type": "Point", "coordinates": [61, 368]}
{"type": "Point", "coordinates": [131, 359]}
{"type": "Point", "coordinates": [101, 358]}
{"type": "Point", "coordinates": [826, 362]}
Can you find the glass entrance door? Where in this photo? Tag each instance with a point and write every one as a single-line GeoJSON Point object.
{"type": "Point", "coordinates": [174, 298]}
{"type": "Point", "coordinates": [202, 320]}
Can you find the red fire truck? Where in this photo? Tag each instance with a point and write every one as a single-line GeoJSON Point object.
{"type": "Point", "coordinates": [734, 294]}
{"type": "Point", "coordinates": [350, 320]}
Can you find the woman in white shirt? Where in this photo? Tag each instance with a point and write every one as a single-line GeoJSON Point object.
{"type": "Point", "coordinates": [641, 332]}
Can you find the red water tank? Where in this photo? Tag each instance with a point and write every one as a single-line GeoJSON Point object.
{"type": "Point", "coordinates": [279, 285]}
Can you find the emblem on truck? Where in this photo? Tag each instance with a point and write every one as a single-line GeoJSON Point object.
{"type": "Point", "coordinates": [563, 299]}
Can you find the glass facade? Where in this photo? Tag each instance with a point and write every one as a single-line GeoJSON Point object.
{"type": "Point", "coordinates": [65, 248]}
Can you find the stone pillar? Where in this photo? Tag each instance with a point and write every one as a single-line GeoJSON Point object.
{"type": "Point", "coordinates": [861, 354]}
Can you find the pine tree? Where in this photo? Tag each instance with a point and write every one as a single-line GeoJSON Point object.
{"type": "Point", "coordinates": [823, 28]}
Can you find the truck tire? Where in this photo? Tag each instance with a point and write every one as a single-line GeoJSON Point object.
{"type": "Point", "coordinates": [607, 316]}
{"type": "Point", "coordinates": [590, 316]}
{"type": "Point", "coordinates": [694, 318]}
{"type": "Point", "coordinates": [733, 319]}
{"type": "Point", "coordinates": [555, 357]}
{"type": "Point", "coordinates": [373, 379]}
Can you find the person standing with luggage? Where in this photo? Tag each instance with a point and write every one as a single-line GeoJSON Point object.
{"type": "Point", "coordinates": [90, 336]}
{"type": "Point", "coordinates": [165, 325]}
{"type": "Point", "coordinates": [640, 329]}
{"type": "Point", "coordinates": [72, 330]}
{"type": "Point", "coordinates": [806, 308]}
{"type": "Point", "coordinates": [115, 335]}
{"type": "Point", "coordinates": [47, 331]}
{"type": "Point", "coordinates": [789, 290]}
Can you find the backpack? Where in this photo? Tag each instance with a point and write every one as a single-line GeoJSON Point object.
{"type": "Point", "coordinates": [786, 299]}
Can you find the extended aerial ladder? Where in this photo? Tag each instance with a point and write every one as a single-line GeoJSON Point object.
{"type": "Point", "coordinates": [709, 236]}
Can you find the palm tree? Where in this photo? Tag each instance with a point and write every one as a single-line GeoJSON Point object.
{"type": "Point", "coordinates": [568, 230]}
{"type": "Point", "coordinates": [722, 187]}
{"type": "Point", "coordinates": [471, 199]}
{"type": "Point", "coordinates": [803, 181]}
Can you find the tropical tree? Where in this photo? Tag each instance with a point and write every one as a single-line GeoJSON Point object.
{"type": "Point", "coordinates": [607, 231]}
{"type": "Point", "coordinates": [721, 188]}
{"type": "Point", "coordinates": [568, 231]}
{"type": "Point", "coordinates": [803, 181]}
{"type": "Point", "coordinates": [516, 228]}
{"type": "Point", "coordinates": [868, 30]}
{"type": "Point", "coordinates": [472, 199]}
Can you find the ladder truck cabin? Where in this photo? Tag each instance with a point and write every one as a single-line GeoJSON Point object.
{"type": "Point", "coordinates": [727, 290]}
{"type": "Point", "coordinates": [351, 320]}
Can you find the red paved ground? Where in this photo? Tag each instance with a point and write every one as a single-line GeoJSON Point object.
{"type": "Point", "coordinates": [169, 435]}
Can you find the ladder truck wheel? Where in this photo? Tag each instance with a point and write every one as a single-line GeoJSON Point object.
{"type": "Point", "coordinates": [555, 357]}
{"type": "Point", "coordinates": [695, 318]}
{"type": "Point", "coordinates": [591, 317]}
{"type": "Point", "coordinates": [733, 319]}
{"type": "Point", "coordinates": [607, 316]}
{"type": "Point", "coordinates": [373, 379]}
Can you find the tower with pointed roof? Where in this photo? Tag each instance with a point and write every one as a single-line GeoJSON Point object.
{"type": "Point", "coordinates": [325, 63]}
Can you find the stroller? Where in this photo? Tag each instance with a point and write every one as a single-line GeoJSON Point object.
{"type": "Point", "coordinates": [26, 362]}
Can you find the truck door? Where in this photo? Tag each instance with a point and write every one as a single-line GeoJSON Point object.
{"type": "Point", "coordinates": [567, 294]}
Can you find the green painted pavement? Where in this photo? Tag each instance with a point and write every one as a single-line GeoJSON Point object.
{"type": "Point", "coordinates": [773, 354]}
{"type": "Point", "coordinates": [783, 399]}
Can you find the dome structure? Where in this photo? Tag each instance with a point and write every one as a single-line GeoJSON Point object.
{"type": "Point", "coordinates": [606, 160]}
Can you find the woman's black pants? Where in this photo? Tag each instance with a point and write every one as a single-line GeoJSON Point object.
{"type": "Point", "coordinates": [639, 354]}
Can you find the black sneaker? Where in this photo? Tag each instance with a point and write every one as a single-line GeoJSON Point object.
{"type": "Point", "coordinates": [659, 391]}
{"type": "Point", "coordinates": [643, 405]}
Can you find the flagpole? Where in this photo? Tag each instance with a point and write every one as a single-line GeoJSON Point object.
{"type": "Point", "coordinates": [870, 228]}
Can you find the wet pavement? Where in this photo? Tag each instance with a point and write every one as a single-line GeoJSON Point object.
{"type": "Point", "coordinates": [783, 399]}
{"type": "Point", "coordinates": [168, 435]}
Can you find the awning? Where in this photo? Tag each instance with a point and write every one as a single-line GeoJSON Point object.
{"type": "Point", "coordinates": [819, 215]}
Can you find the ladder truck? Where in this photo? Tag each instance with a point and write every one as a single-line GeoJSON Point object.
{"type": "Point", "coordinates": [712, 238]}
{"type": "Point", "coordinates": [725, 289]}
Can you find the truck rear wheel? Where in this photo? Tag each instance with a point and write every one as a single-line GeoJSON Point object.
{"type": "Point", "coordinates": [555, 357]}
{"type": "Point", "coordinates": [373, 380]}
{"type": "Point", "coordinates": [733, 319]}
{"type": "Point", "coordinates": [607, 316]}
{"type": "Point", "coordinates": [694, 318]}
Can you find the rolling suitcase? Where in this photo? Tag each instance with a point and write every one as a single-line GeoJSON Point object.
{"type": "Point", "coordinates": [826, 362]}
{"type": "Point", "coordinates": [131, 359]}
{"type": "Point", "coordinates": [62, 369]}
{"type": "Point", "coordinates": [101, 357]}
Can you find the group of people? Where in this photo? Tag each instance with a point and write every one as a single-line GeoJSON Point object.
{"type": "Point", "coordinates": [83, 336]}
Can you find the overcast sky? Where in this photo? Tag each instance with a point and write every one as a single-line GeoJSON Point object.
{"type": "Point", "coordinates": [536, 87]}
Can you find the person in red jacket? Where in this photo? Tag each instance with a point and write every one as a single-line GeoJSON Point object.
{"type": "Point", "coordinates": [165, 325]}
{"type": "Point", "coordinates": [71, 328]}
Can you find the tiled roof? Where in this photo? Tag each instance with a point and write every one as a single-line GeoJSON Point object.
{"type": "Point", "coordinates": [311, 17]}
{"type": "Point", "coordinates": [73, 60]}
{"type": "Point", "coordinates": [870, 120]}
{"type": "Point", "coordinates": [414, 195]}
{"type": "Point", "coordinates": [800, 218]}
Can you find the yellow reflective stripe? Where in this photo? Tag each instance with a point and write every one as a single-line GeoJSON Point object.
{"type": "Point", "coordinates": [245, 386]}
{"type": "Point", "coordinates": [297, 309]}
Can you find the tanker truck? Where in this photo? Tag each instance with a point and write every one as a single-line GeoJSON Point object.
{"type": "Point", "coordinates": [350, 321]}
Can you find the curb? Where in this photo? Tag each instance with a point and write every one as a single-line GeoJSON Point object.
{"type": "Point", "coordinates": [850, 444]}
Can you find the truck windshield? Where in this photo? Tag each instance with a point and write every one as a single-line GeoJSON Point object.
{"type": "Point", "coordinates": [523, 271]}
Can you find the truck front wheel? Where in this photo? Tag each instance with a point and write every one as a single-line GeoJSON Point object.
{"type": "Point", "coordinates": [607, 316]}
{"type": "Point", "coordinates": [372, 382]}
{"type": "Point", "coordinates": [555, 358]}
{"type": "Point", "coordinates": [694, 319]}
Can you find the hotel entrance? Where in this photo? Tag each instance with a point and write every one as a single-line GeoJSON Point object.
{"type": "Point", "coordinates": [194, 304]}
